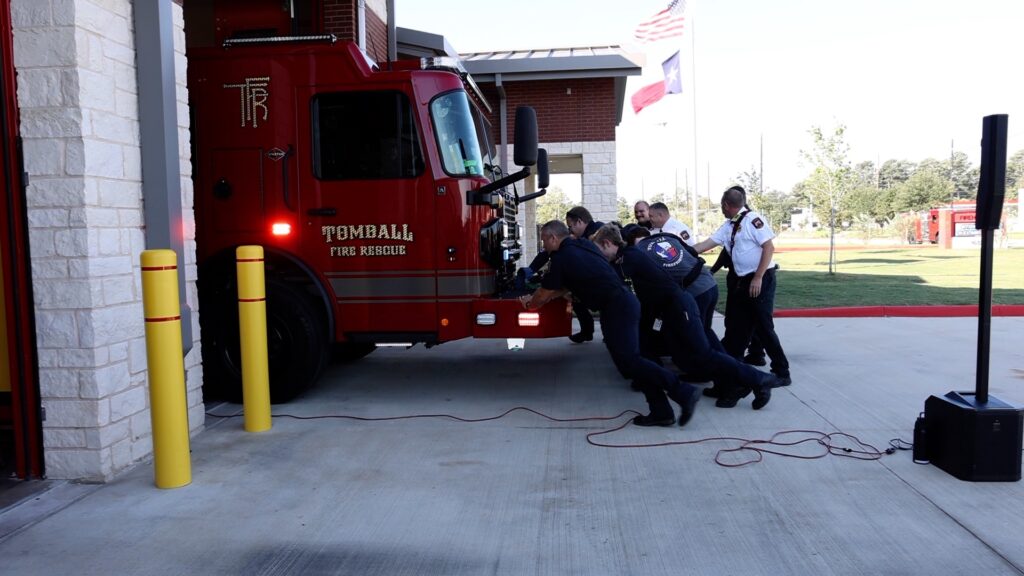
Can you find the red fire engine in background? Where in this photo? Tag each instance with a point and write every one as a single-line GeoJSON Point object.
{"type": "Point", "coordinates": [384, 217]}
{"type": "Point", "coordinates": [960, 221]}
{"type": "Point", "coordinates": [958, 217]}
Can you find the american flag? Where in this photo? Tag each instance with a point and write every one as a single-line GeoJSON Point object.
{"type": "Point", "coordinates": [664, 24]}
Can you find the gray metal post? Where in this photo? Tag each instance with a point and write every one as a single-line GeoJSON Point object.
{"type": "Point", "coordinates": [392, 35]}
{"type": "Point", "coordinates": [158, 128]}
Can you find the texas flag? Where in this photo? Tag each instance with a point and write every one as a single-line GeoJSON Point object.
{"type": "Point", "coordinates": [672, 84]}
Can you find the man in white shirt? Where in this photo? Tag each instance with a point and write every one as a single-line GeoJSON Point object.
{"type": "Point", "coordinates": [662, 221]}
{"type": "Point", "coordinates": [748, 239]}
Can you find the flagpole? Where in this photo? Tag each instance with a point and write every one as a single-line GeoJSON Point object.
{"type": "Point", "coordinates": [693, 81]}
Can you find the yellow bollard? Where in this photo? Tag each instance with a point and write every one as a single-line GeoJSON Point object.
{"type": "Point", "coordinates": [252, 326]}
{"type": "Point", "coordinates": [167, 403]}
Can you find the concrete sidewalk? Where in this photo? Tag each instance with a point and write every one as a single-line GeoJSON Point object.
{"type": "Point", "coordinates": [524, 495]}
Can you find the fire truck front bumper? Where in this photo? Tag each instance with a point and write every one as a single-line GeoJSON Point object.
{"type": "Point", "coordinates": [506, 318]}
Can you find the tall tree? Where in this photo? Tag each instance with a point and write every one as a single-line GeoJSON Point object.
{"type": "Point", "coordinates": [751, 182]}
{"type": "Point", "coordinates": [553, 205]}
{"type": "Point", "coordinates": [831, 180]}
{"type": "Point", "coordinates": [624, 211]}
{"type": "Point", "coordinates": [894, 172]}
{"type": "Point", "coordinates": [866, 173]}
{"type": "Point", "coordinates": [1014, 174]}
{"type": "Point", "coordinates": [777, 207]}
{"type": "Point", "coordinates": [922, 191]}
{"type": "Point", "coordinates": [963, 175]}
{"type": "Point", "coordinates": [870, 202]}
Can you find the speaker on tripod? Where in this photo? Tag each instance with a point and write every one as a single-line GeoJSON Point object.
{"type": "Point", "coordinates": [971, 435]}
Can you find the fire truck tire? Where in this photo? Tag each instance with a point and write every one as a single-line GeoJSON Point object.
{"type": "Point", "coordinates": [296, 341]}
{"type": "Point", "coordinates": [297, 344]}
{"type": "Point", "coordinates": [351, 351]}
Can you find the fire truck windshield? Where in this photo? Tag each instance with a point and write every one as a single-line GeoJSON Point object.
{"type": "Point", "coordinates": [456, 134]}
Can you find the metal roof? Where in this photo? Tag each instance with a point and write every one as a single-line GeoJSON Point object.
{"type": "Point", "coordinates": [501, 67]}
{"type": "Point", "coordinates": [419, 44]}
{"type": "Point", "coordinates": [553, 63]}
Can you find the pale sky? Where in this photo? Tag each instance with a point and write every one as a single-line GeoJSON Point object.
{"type": "Point", "coordinates": [906, 77]}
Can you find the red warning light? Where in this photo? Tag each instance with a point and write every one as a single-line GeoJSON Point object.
{"type": "Point", "coordinates": [281, 229]}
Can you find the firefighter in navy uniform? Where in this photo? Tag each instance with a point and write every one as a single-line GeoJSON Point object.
{"type": "Point", "coordinates": [683, 264]}
{"type": "Point", "coordinates": [582, 226]}
{"type": "Point", "coordinates": [679, 317]}
{"type": "Point", "coordinates": [578, 266]}
{"type": "Point", "coordinates": [748, 239]}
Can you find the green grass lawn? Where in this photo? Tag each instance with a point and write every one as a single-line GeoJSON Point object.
{"type": "Point", "coordinates": [891, 276]}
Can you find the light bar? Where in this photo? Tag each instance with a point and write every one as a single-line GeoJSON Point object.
{"type": "Point", "coordinates": [394, 344]}
{"type": "Point", "coordinates": [280, 39]}
{"type": "Point", "coordinates": [442, 63]}
{"type": "Point", "coordinates": [281, 229]}
{"type": "Point", "coordinates": [529, 318]}
{"type": "Point", "coordinates": [486, 319]}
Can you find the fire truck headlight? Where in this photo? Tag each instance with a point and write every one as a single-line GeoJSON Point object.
{"type": "Point", "coordinates": [529, 318]}
{"type": "Point", "coordinates": [486, 319]}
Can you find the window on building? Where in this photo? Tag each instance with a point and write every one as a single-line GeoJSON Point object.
{"type": "Point", "coordinates": [365, 135]}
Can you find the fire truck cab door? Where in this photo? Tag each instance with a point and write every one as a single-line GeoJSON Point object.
{"type": "Point", "coordinates": [369, 207]}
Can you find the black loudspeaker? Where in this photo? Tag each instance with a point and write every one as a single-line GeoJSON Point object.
{"type": "Point", "coordinates": [979, 443]}
{"type": "Point", "coordinates": [992, 184]}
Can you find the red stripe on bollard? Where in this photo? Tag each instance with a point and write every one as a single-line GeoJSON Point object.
{"type": "Point", "coordinates": [165, 319]}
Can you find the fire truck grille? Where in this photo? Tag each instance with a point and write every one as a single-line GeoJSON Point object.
{"type": "Point", "coordinates": [512, 240]}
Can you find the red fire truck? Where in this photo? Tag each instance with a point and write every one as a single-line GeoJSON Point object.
{"type": "Point", "coordinates": [375, 193]}
{"type": "Point", "coordinates": [960, 219]}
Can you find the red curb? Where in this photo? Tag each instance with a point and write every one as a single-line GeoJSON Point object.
{"type": "Point", "coordinates": [942, 311]}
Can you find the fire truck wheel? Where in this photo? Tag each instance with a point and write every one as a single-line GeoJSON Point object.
{"type": "Point", "coordinates": [296, 341]}
{"type": "Point", "coordinates": [352, 351]}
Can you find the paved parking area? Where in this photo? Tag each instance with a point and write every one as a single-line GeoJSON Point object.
{"type": "Point", "coordinates": [524, 495]}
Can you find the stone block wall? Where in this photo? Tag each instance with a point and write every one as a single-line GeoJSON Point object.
{"type": "Point", "coordinates": [599, 194]}
{"type": "Point", "coordinates": [78, 100]}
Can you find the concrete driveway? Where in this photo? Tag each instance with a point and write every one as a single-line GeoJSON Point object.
{"type": "Point", "coordinates": [525, 495]}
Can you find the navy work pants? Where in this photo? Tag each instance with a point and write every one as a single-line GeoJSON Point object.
{"type": "Point", "coordinates": [746, 316]}
{"type": "Point", "coordinates": [620, 325]}
{"type": "Point", "coordinates": [688, 339]}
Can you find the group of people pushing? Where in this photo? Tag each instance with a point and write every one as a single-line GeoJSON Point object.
{"type": "Point", "coordinates": [672, 302]}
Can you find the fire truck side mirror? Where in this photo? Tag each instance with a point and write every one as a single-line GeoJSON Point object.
{"type": "Point", "coordinates": [542, 169]}
{"type": "Point", "coordinates": [526, 137]}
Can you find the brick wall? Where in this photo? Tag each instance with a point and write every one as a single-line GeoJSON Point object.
{"type": "Point", "coordinates": [580, 110]}
{"type": "Point", "coordinates": [340, 18]}
{"type": "Point", "coordinates": [376, 35]}
{"type": "Point", "coordinates": [78, 101]}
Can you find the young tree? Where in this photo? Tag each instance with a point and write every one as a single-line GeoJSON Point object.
{"type": "Point", "coordinates": [831, 180]}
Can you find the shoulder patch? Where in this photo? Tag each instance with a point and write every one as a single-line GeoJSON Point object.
{"type": "Point", "coordinates": [758, 223]}
{"type": "Point", "coordinates": [666, 249]}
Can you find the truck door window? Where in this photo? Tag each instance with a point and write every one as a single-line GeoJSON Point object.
{"type": "Point", "coordinates": [456, 134]}
{"type": "Point", "coordinates": [365, 135]}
